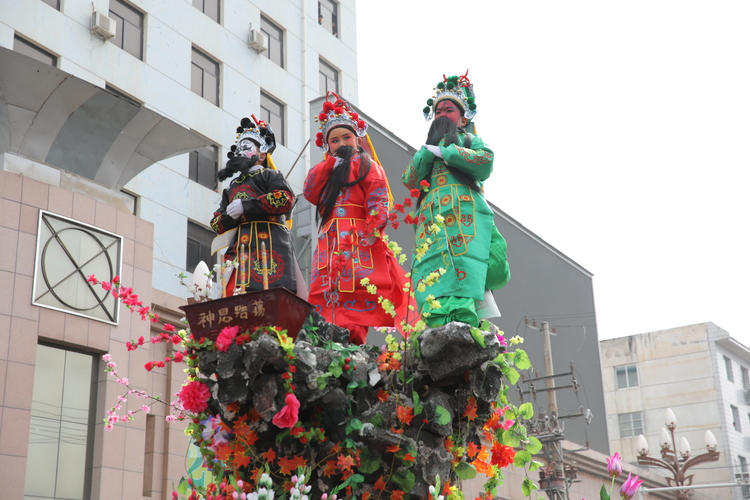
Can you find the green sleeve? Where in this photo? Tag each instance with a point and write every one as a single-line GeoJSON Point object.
{"type": "Point", "coordinates": [419, 168]}
{"type": "Point", "coordinates": [476, 162]}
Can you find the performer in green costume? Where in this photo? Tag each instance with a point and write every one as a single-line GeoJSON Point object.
{"type": "Point", "coordinates": [468, 246]}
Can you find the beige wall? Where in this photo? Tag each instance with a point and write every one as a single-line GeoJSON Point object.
{"type": "Point", "coordinates": [119, 456]}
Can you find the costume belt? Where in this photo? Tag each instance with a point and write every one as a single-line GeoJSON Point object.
{"type": "Point", "coordinates": [225, 239]}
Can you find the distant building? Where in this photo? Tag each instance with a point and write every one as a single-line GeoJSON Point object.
{"type": "Point", "coordinates": [701, 373]}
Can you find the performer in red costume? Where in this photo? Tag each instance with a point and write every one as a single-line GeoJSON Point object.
{"type": "Point", "coordinates": [351, 191]}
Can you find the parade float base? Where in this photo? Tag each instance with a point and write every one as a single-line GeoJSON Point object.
{"type": "Point", "coordinates": [277, 307]}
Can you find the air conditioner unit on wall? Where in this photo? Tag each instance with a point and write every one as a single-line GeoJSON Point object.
{"type": "Point", "coordinates": [103, 26]}
{"type": "Point", "coordinates": [257, 40]}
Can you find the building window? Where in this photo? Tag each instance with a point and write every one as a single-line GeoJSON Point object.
{"type": "Point", "coordinates": [329, 78]}
{"type": "Point", "coordinates": [745, 377]}
{"type": "Point", "coordinates": [204, 78]}
{"type": "Point", "coordinates": [736, 418]}
{"type": "Point", "coordinates": [272, 112]}
{"type": "Point", "coordinates": [728, 367]}
{"type": "Point", "coordinates": [129, 30]}
{"type": "Point", "coordinates": [55, 4]}
{"type": "Point", "coordinates": [63, 415]}
{"type": "Point", "coordinates": [198, 246]}
{"type": "Point", "coordinates": [744, 477]}
{"type": "Point", "coordinates": [209, 7]}
{"type": "Point", "coordinates": [627, 376]}
{"type": "Point", "coordinates": [29, 49]}
{"type": "Point", "coordinates": [204, 164]}
{"type": "Point", "coordinates": [328, 16]}
{"type": "Point", "coordinates": [275, 36]}
{"type": "Point", "coordinates": [631, 424]}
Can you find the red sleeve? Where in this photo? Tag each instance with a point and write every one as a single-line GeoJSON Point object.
{"type": "Point", "coordinates": [316, 180]}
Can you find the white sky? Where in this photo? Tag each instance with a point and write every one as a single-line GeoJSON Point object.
{"type": "Point", "coordinates": [621, 133]}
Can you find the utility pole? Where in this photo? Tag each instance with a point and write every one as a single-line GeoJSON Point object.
{"type": "Point", "coordinates": [554, 478]}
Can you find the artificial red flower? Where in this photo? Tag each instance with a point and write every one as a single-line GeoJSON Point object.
{"type": "Point", "coordinates": [289, 414]}
{"type": "Point", "coordinates": [194, 396]}
{"type": "Point", "coordinates": [502, 455]}
{"type": "Point", "coordinates": [226, 337]}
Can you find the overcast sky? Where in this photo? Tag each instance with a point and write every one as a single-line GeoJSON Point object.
{"type": "Point", "coordinates": [621, 133]}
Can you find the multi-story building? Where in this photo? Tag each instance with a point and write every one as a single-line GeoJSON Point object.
{"type": "Point", "coordinates": [114, 118]}
{"type": "Point", "coordinates": [701, 373]}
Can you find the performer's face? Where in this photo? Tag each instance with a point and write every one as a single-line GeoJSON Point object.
{"type": "Point", "coordinates": [341, 136]}
{"type": "Point", "coordinates": [450, 110]}
{"type": "Point", "coordinates": [249, 149]}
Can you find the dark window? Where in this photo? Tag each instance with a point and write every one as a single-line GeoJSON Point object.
{"type": "Point", "coordinates": [728, 367]}
{"type": "Point", "coordinates": [329, 78]}
{"type": "Point", "coordinates": [745, 378]}
{"type": "Point", "coordinates": [328, 15]}
{"type": "Point", "coordinates": [272, 112]}
{"type": "Point", "coordinates": [736, 418]}
{"type": "Point", "coordinates": [627, 376]}
{"type": "Point", "coordinates": [198, 246]}
{"type": "Point", "coordinates": [63, 415]}
{"type": "Point", "coordinates": [275, 36]}
{"type": "Point", "coordinates": [28, 49]}
{"type": "Point", "coordinates": [204, 163]}
{"type": "Point", "coordinates": [631, 424]}
{"type": "Point", "coordinates": [209, 7]}
{"type": "Point", "coordinates": [129, 31]}
{"type": "Point", "coordinates": [744, 477]}
{"type": "Point", "coordinates": [55, 4]}
{"type": "Point", "coordinates": [204, 79]}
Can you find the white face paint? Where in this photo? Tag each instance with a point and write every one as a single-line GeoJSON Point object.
{"type": "Point", "coordinates": [248, 148]}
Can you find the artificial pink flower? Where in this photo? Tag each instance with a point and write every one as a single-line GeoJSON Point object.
{"type": "Point", "coordinates": [92, 279]}
{"type": "Point", "coordinates": [289, 414]}
{"type": "Point", "coordinates": [614, 465]}
{"type": "Point", "coordinates": [226, 338]}
{"type": "Point", "coordinates": [630, 487]}
{"type": "Point", "coordinates": [194, 396]}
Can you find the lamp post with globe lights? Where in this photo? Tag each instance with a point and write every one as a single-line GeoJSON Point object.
{"type": "Point", "coordinates": [675, 459]}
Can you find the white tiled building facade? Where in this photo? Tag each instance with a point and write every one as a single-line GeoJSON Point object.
{"type": "Point", "coordinates": [118, 141]}
{"type": "Point", "coordinates": [703, 375]}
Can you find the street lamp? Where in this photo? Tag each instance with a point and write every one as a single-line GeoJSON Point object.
{"type": "Point", "coordinates": [676, 460]}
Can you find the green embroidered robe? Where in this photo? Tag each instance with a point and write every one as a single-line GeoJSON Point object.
{"type": "Point", "coordinates": [469, 246]}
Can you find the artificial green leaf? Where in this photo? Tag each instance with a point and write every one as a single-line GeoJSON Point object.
{"type": "Point", "coordinates": [510, 438]}
{"type": "Point", "coordinates": [182, 488]}
{"type": "Point", "coordinates": [522, 360]}
{"type": "Point", "coordinates": [369, 460]}
{"type": "Point", "coordinates": [521, 458]}
{"type": "Point", "coordinates": [336, 367]}
{"type": "Point", "coordinates": [442, 415]}
{"type": "Point", "coordinates": [528, 486]}
{"type": "Point", "coordinates": [417, 405]}
{"type": "Point", "coordinates": [526, 411]}
{"type": "Point", "coordinates": [511, 374]}
{"type": "Point", "coordinates": [404, 480]}
{"type": "Point", "coordinates": [354, 424]}
{"type": "Point", "coordinates": [603, 495]}
{"type": "Point", "coordinates": [352, 385]}
{"type": "Point", "coordinates": [378, 421]}
{"type": "Point", "coordinates": [534, 465]}
{"type": "Point", "coordinates": [534, 446]}
{"type": "Point", "coordinates": [362, 384]}
{"type": "Point", "coordinates": [357, 479]}
{"type": "Point", "coordinates": [465, 470]}
{"type": "Point", "coordinates": [322, 382]}
{"type": "Point", "coordinates": [484, 325]}
{"type": "Point", "coordinates": [476, 334]}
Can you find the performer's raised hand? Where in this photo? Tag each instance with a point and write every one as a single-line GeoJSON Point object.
{"type": "Point", "coordinates": [434, 150]}
{"type": "Point", "coordinates": [234, 209]}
